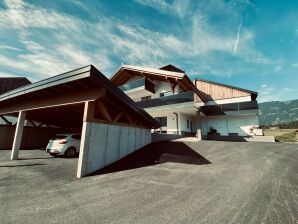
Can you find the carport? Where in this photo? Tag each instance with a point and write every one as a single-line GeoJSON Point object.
{"type": "Point", "coordinates": [83, 99]}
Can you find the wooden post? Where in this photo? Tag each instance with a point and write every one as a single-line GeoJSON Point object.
{"type": "Point", "coordinates": [18, 136]}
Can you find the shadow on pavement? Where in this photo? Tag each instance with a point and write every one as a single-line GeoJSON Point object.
{"type": "Point", "coordinates": [35, 158]}
{"type": "Point", "coordinates": [35, 164]}
{"type": "Point", "coordinates": [156, 153]}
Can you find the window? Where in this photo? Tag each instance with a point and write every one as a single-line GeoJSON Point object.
{"type": "Point", "coordinates": [168, 93]}
{"type": "Point", "coordinates": [187, 123]}
{"type": "Point", "coordinates": [162, 121]}
{"type": "Point", "coordinates": [78, 137]}
{"type": "Point", "coordinates": [59, 137]}
{"type": "Point", "coordinates": [145, 98]}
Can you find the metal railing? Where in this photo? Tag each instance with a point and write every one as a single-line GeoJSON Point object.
{"type": "Point", "coordinates": [168, 100]}
{"type": "Point", "coordinates": [221, 109]}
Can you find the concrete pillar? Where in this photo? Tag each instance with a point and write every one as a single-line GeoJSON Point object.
{"type": "Point", "coordinates": [199, 134]}
{"type": "Point", "coordinates": [84, 148]}
{"type": "Point", "coordinates": [18, 136]}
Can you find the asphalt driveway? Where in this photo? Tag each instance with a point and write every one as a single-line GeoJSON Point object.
{"type": "Point", "coordinates": [174, 182]}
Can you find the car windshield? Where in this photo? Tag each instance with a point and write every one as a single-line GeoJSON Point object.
{"type": "Point", "coordinates": [58, 137]}
{"type": "Point", "coordinates": [78, 137]}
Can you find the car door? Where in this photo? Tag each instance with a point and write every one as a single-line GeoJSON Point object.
{"type": "Point", "coordinates": [76, 142]}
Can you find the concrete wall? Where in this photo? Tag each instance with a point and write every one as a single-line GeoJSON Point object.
{"type": "Point", "coordinates": [104, 144]}
{"type": "Point", "coordinates": [183, 123]}
{"type": "Point", "coordinates": [33, 137]}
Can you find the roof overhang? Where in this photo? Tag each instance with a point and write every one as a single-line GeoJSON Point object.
{"type": "Point", "coordinates": [60, 100]}
{"type": "Point", "coordinates": [126, 72]}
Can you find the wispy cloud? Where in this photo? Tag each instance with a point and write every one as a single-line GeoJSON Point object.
{"type": "Point", "coordinates": [269, 93]}
{"type": "Point", "coordinates": [10, 48]}
{"type": "Point", "coordinates": [237, 38]}
{"type": "Point", "coordinates": [177, 7]}
{"type": "Point", "coordinates": [65, 42]}
{"type": "Point", "coordinates": [54, 42]}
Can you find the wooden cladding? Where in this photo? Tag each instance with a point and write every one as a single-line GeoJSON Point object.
{"type": "Point", "coordinates": [214, 91]}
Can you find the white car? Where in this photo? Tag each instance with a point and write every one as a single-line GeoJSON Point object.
{"type": "Point", "coordinates": [64, 144]}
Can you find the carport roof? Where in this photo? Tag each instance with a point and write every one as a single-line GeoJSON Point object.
{"type": "Point", "coordinates": [66, 91]}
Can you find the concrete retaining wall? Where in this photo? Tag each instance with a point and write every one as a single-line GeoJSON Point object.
{"type": "Point", "coordinates": [103, 144]}
{"type": "Point", "coordinates": [159, 137]}
{"type": "Point", "coordinates": [33, 137]}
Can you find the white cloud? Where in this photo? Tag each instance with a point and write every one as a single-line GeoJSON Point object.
{"type": "Point", "coordinates": [277, 68]}
{"type": "Point", "coordinates": [177, 7]}
{"type": "Point", "coordinates": [10, 48]}
{"type": "Point", "coordinates": [237, 38]}
{"type": "Point", "coordinates": [294, 65]}
{"type": "Point", "coordinates": [274, 93]}
{"type": "Point", "coordinates": [55, 42]}
{"type": "Point", "coordinates": [24, 15]}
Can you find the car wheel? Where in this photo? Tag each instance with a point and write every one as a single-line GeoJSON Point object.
{"type": "Point", "coordinates": [71, 152]}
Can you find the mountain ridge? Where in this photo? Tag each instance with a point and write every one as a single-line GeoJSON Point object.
{"type": "Point", "coordinates": [278, 112]}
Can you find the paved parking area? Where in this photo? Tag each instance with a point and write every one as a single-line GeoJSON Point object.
{"type": "Point", "coordinates": [174, 182]}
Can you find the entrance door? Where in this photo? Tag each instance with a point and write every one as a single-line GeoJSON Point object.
{"type": "Point", "coordinates": [223, 127]}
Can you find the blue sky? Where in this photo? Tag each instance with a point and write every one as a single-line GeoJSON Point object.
{"type": "Point", "coordinates": [250, 44]}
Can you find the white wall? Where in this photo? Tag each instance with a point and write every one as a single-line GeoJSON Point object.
{"type": "Point", "coordinates": [230, 100]}
{"type": "Point", "coordinates": [103, 144]}
{"type": "Point", "coordinates": [160, 87]}
{"type": "Point", "coordinates": [172, 124]}
{"type": "Point", "coordinates": [183, 123]}
{"type": "Point", "coordinates": [229, 124]}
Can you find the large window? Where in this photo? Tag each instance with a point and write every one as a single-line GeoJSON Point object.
{"type": "Point", "coordinates": [162, 121]}
{"type": "Point", "coordinates": [168, 93]}
{"type": "Point", "coordinates": [145, 98]}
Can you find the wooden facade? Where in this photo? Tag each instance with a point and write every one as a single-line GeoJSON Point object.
{"type": "Point", "coordinates": [216, 91]}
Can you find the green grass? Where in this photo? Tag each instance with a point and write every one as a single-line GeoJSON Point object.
{"type": "Point", "coordinates": [288, 137]}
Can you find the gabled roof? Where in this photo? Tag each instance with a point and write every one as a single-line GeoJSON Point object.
{"type": "Point", "coordinates": [172, 68]}
{"type": "Point", "coordinates": [10, 83]}
{"type": "Point", "coordinates": [127, 71]}
{"type": "Point", "coordinates": [73, 87]}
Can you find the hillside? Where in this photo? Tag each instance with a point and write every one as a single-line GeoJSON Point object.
{"type": "Point", "coordinates": [277, 112]}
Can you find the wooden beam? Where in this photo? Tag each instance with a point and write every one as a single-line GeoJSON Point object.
{"type": "Point", "coordinates": [82, 84]}
{"type": "Point", "coordinates": [33, 124]}
{"type": "Point", "coordinates": [128, 118]}
{"type": "Point", "coordinates": [69, 98]}
{"type": "Point", "coordinates": [117, 117]}
{"type": "Point", "coordinates": [5, 120]}
{"type": "Point", "coordinates": [102, 108]}
{"type": "Point", "coordinates": [182, 85]}
{"type": "Point", "coordinates": [89, 110]}
{"type": "Point", "coordinates": [41, 124]}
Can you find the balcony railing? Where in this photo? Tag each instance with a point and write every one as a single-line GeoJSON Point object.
{"type": "Point", "coordinates": [223, 109]}
{"type": "Point", "coordinates": [147, 84]}
{"type": "Point", "coordinates": [168, 100]}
